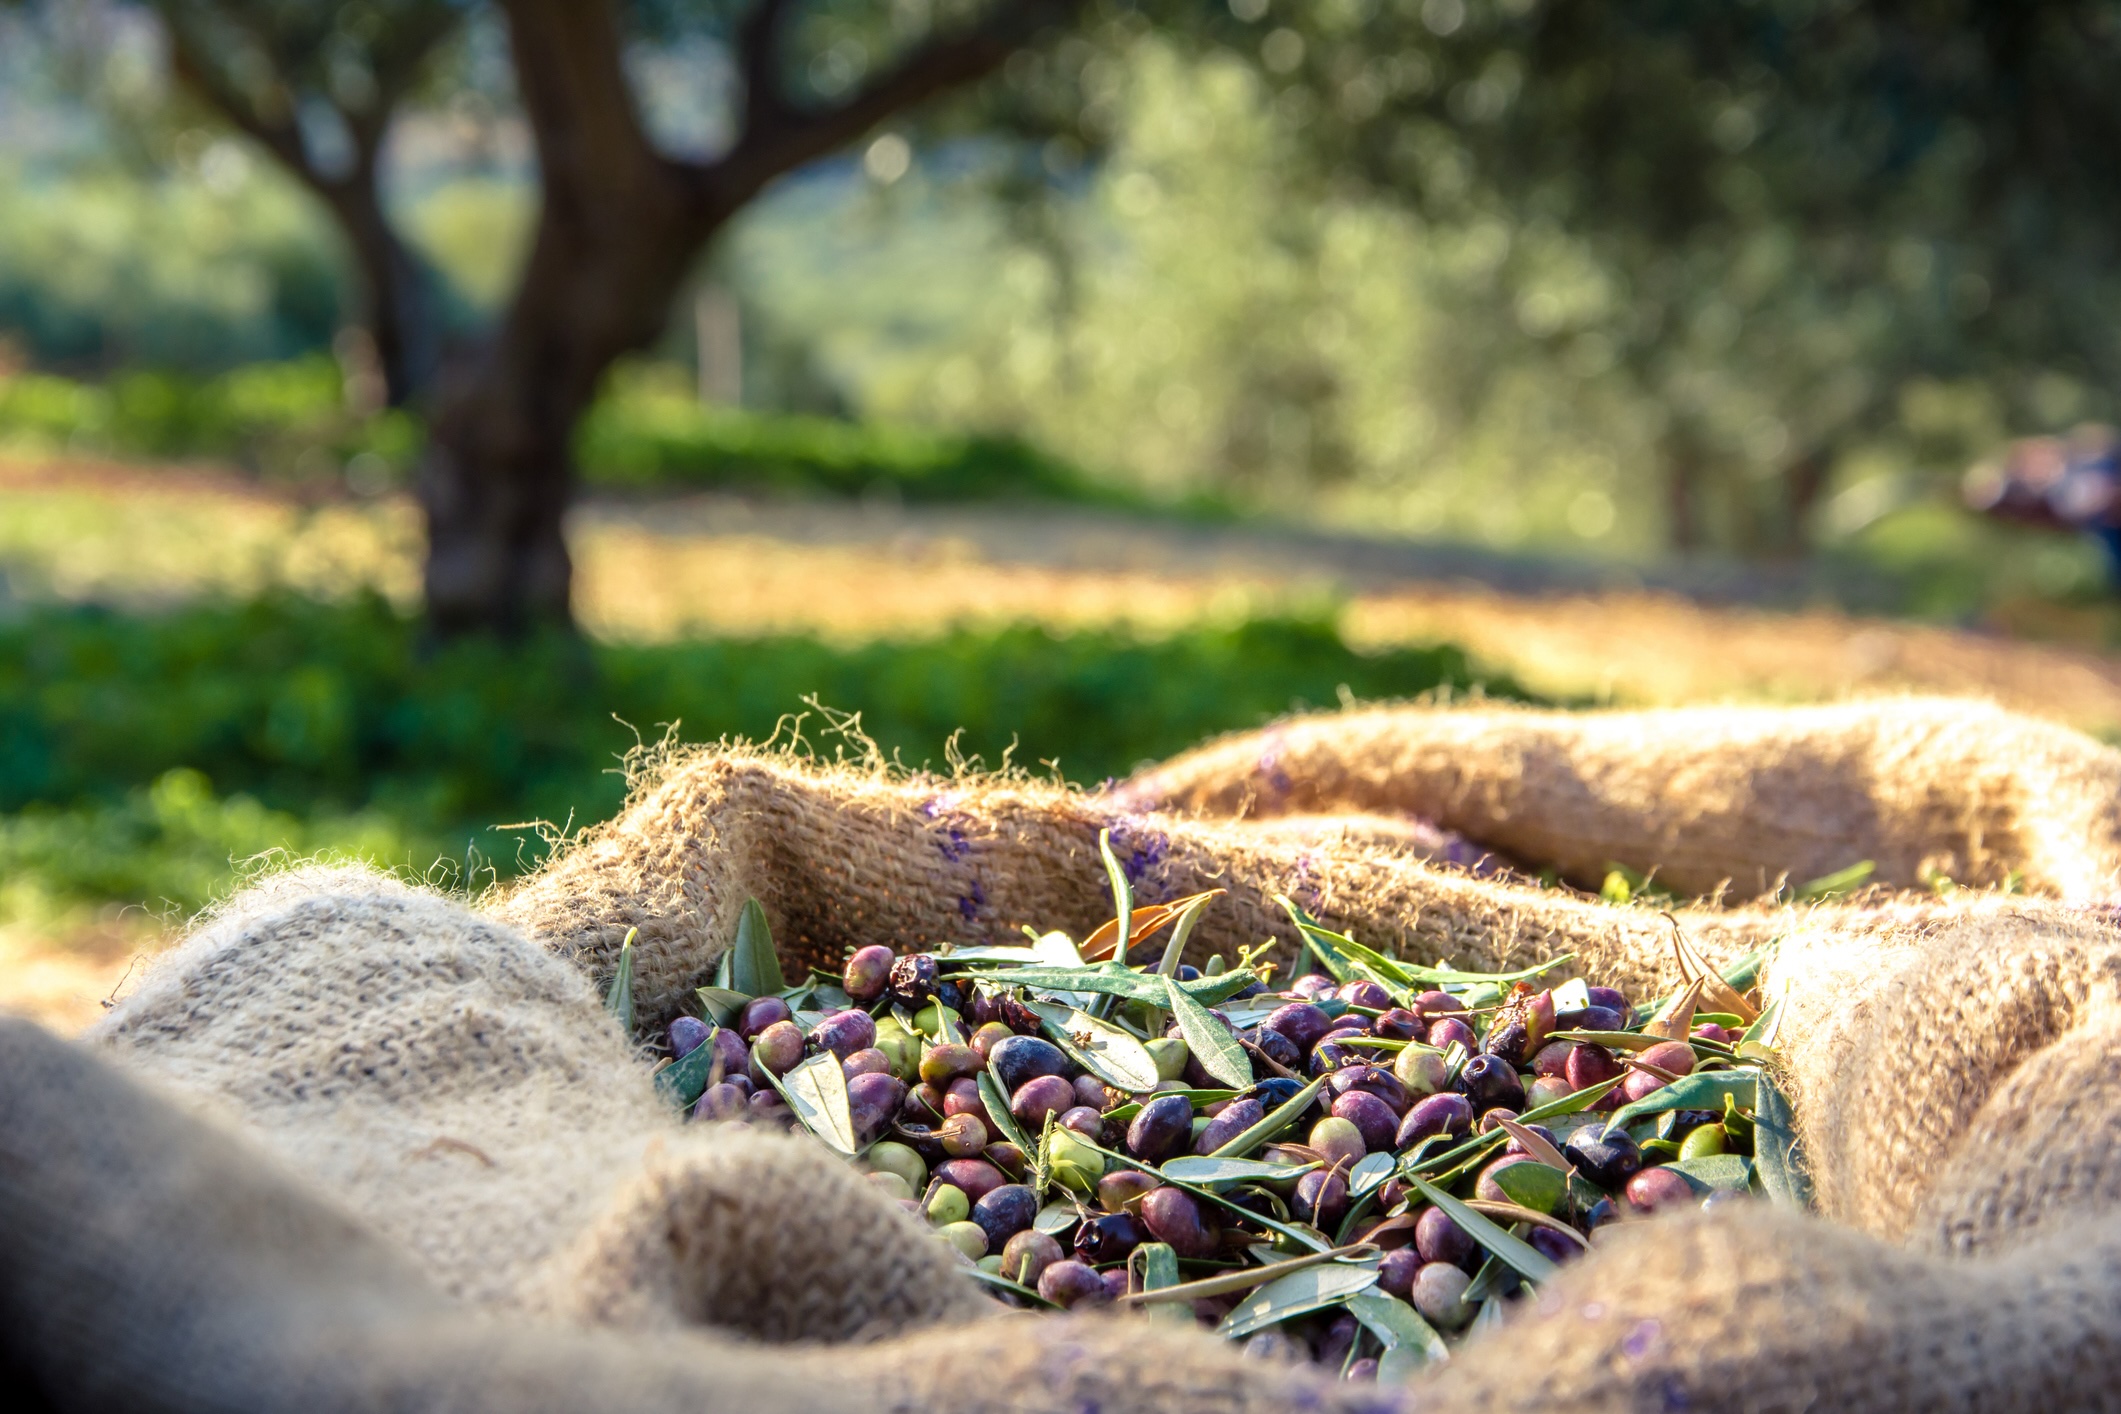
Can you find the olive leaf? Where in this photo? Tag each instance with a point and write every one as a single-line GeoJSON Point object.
{"type": "Point", "coordinates": [1111, 980]}
{"type": "Point", "coordinates": [816, 1089]}
{"type": "Point", "coordinates": [1122, 898]}
{"type": "Point", "coordinates": [1410, 1342]}
{"type": "Point", "coordinates": [1105, 1050]}
{"type": "Point", "coordinates": [1703, 1090]}
{"type": "Point", "coordinates": [1534, 1186]}
{"type": "Point", "coordinates": [996, 1279]}
{"type": "Point", "coordinates": [1695, 968]}
{"type": "Point", "coordinates": [1515, 1251]}
{"type": "Point", "coordinates": [1213, 1046]}
{"type": "Point", "coordinates": [1057, 1217]}
{"type": "Point", "coordinates": [1294, 1295]}
{"type": "Point", "coordinates": [1370, 1172]}
{"type": "Point", "coordinates": [684, 1080]}
{"type": "Point", "coordinates": [1778, 1161]}
{"type": "Point", "coordinates": [1841, 881]}
{"type": "Point", "coordinates": [1206, 1171]}
{"type": "Point", "coordinates": [1278, 1119]}
{"type": "Point", "coordinates": [619, 1000]}
{"type": "Point", "coordinates": [1732, 1172]}
{"type": "Point", "coordinates": [1175, 950]}
{"type": "Point", "coordinates": [1480, 1143]}
{"type": "Point", "coordinates": [1533, 1143]}
{"type": "Point", "coordinates": [721, 1004]}
{"type": "Point", "coordinates": [754, 967]}
{"type": "Point", "coordinates": [996, 1099]}
{"type": "Point", "coordinates": [1677, 1018]}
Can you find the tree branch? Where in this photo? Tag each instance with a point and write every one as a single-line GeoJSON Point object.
{"type": "Point", "coordinates": [758, 47]}
{"type": "Point", "coordinates": [783, 140]}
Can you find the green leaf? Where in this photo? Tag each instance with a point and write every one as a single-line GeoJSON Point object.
{"type": "Point", "coordinates": [1841, 881]}
{"type": "Point", "coordinates": [997, 1280]}
{"type": "Point", "coordinates": [1104, 1050]}
{"type": "Point", "coordinates": [1122, 897]}
{"type": "Point", "coordinates": [1732, 1172]}
{"type": "Point", "coordinates": [1056, 1217]}
{"type": "Point", "coordinates": [754, 967]}
{"type": "Point", "coordinates": [1003, 953]}
{"type": "Point", "coordinates": [1209, 1172]}
{"type": "Point", "coordinates": [1778, 1159]}
{"type": "Point", "coordinates": [1294, 1295]}
{"type": "Point", "coordinates": [1213, 1046]}
{"type": "Point", "coordinates": [997, 1102]}
{"type": "Point", "coordinates": [1533, 1186]}
{"type": "Point", "coordinates": [816, 1089]}
{"type": "Point", "coordinates": [1766, 1028]}
{"type": "Point", "coordinates": [684, 1080]}
{"type": "Point", "coordinates": [1175, 950]}
{"type": "Point", "coordinates": [1159, 1265]}
{"type": "Point", "coordinates": [1410, 1342]}
{"type": "Point", "coordinates": [1371, 1171]}
{"type": "Point", "coordinates": [619, 1000]}
{"type": "Point", "coordinates": [1318, 941]}
{"type": "Point", "coordinates": [1514, 1251]}
{"type": "Point", "coordinates": [1118, 982]}
{"type": "Point", "coordinates": [1278, 1119]}
{"type": "Point", "coordinates": [1703, 1090]}
{"type": "Point", "coordinates": [1494, 1139]}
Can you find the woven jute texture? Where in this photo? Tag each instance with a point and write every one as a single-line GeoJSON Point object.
{"type": "Point", "coordinates": [1710, 797]}
{"type": "Point", "coordinates": [355, 1145]}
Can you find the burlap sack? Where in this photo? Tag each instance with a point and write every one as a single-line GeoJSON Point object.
{"type": "Point", "coordinates": [1711, 798]}
{"type": "Point", "coordinates": [468, 1199]}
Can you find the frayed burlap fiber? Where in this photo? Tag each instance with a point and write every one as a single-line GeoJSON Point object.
{"type": "Point", "coordinates": [356, 1145]}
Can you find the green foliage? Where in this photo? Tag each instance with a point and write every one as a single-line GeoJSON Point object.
{"type": "Point", "coordinates": [336, 724]}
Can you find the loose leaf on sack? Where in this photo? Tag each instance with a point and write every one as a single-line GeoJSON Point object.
{"type": "Point", "coordinates": [1714, 990]}
{"type": "Point", "coordinates": [1370, 1172]}
{"type": "Point", "coordinates": [1210, 1172]}
{"type": "Point", "coordinates": [1703, 1090]}
{"type": "Point", "coordinates": [1515, 1251]}
{"type": "Point", "coordinates": [1677, 1018]}
{"type": "Point", "coordinates": [1214, 1047]}
{"type": "Point", "coordinates": [996, 1100]}
{"type": "Point", "coordinates": [1841, 881]}
{"type": "Point", "coordinates": [1276, 1120]}
{"type": "Point", "coordinates": [1296, 1294]}
{"type": "Point", "coordinates": [1410, 1342]}
{"type": "Point", "coordinates": [816, 1090]}
{"type": "Point", "coordinates": [1712, 1172]}
{"type": "Point", "coordinates": [1777, 1159]}
{"type": "Point", "coordinates": [1104, 1050]}
{"type": "Point", "coordinates": [619, 1000]}
{"type": "Point", "coordinates": [1122, 897]}
{"type": "Point", "coordinates": [754, 967]}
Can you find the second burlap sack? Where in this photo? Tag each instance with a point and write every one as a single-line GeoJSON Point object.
{"type": "Point", "coordinates": [452, 1080]}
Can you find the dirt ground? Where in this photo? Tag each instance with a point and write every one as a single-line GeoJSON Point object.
{"type": "Point", "coordinates": [851, 573]}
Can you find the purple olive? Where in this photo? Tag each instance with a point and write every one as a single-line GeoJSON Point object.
{"type": "Point", "coordinates": [1161, 1130]}
{"type": "Point", "coordinates": [1368, 995]}
{"type": "Point", "coordinates": [1552, 1245]}
{"type": "Point", "coordinates": [1370, 1115]}
{"type": "Point", "coordinates": [1321, 1199]}
{"type": "Point", "coordinates": [1437, 1003]}
{"type": "Point", "coordinates": [950, 1061]}
{"type": "Point", "coordinates": [1236, 1118]}
{"type": "Point", "coordinates": [872, 1100]}
{"type": "Point", "coordinates": [1084, 1121]}
{"type": "Point", "coordinates": [1378, 1081]}
{"type": "Point", "coordinates": [913, 980]}
{"type": "Point", "coordinates": [760, 1013]}
{"type": "Point", "coordinates": [1609, 1158]}
{"type": "Point", "coordinates": [867, 973]}
{"type": "Point", "coordinates": [1329, 1056]}
{"type": "Point", "coordinates": [1597, 1018]}
{"type": "Point", "coordinates": [1108, 1238]}
{"type": "Point", "coordinates": [1447, 1113]}
{"type": "Point", "coordinates": [1591, 1065]}
{"type": "Point", "coordinates": [1451, 1032]}
{"type": "Point", "coordinates": [723, 1101]}
{"type": "Point", "coordinates": [869, 1062]}
{"type": "Point", "coordinates": [1553, 1058]}
{"type": "Point", "coordinates": [1005, 1212]}
{"type": "Point", "coordinates": [1026, 1256]}
{"type": "Point", "coordinates": [1611, 998]}
{"type": "Point", "coordinates": [1007, 1157]}
{"type": "Point", "coordinates": [687, 1034]}
{"type": "Point", "coordinates": [989, 1035]}
{"type": "Point", "coordinates": [1089, 1090]}
{"type": "Point", "coordinates": [1395, 1273]}
{"type": "Point", "coordinates": [962, 1136]}
{"type": "Point", "coordinates": [1072, 1285]}
{"type": "Point", "coordinates": [766, 1105]}
{"type": "Point", "coordinates": [1041, 1096]}
{"type": "Point", "coordinates": [923, 1105]}
{"type": "Point", "coordinates": [1315, 984]}
{"type": "Point", "coordinates": [1488, 1081]}
{"type": "Point", "coordinates": [1336, 1341]}
{"type": "Point", "coordinates": [1301, 1022]}
{"type": "Point", "coordinates": [1115, 1282]}
{"type": "Point", "coordinates": [976, 1177]}
{"type": "Point", "coordinates": [730, 1050]}
{"type": "Point", "coordinates": [844, 1032]}
{"type": "Point", "coordinates": [1277, 1048]}
{"type": "Point", "coordinates": [1399, 1024]}
{"type": "Point", "coordinates": [1491, 1119]}
{"type": "Point", "coordinates": [1438, 1239]}
{"type": "Point", "coordinates": [1022, 1059]}
{"type": "Point", "coordinates": [1654, 1190]}
{"type": "Point", "coordinates": [1120, 1189]}
{"type": "Point", "coordinates": [778, 1047]}
{"type": "Point", "coordinates": [963, 1097]}
{"type": "Point", "coordinates": [1174, 1216]}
